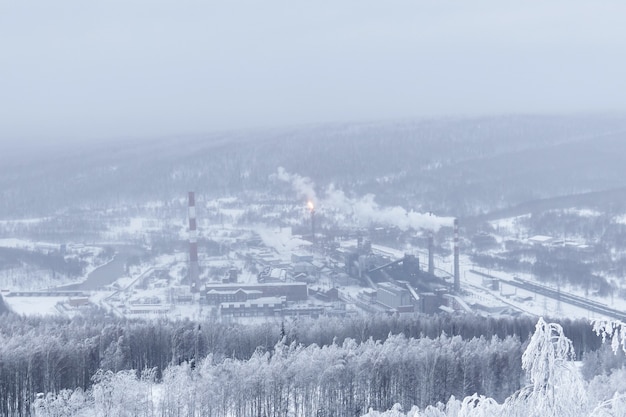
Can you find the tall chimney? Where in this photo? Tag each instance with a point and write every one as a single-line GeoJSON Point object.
{"type": "Point", "coordinates": [193, 244]}
{"type": "Point", "coordinates": [457, 278]}
{"type": "Point", "coordinates": [313, 225]}
{"type": "Point", "coordinates": [311, 207]}
{"type": "Point", "coordinates": [431, 254]}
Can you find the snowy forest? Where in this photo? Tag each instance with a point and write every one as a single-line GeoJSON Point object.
{"type": "Point", "coordinates": [105, 366]}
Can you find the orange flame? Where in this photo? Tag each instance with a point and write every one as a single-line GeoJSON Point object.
{"type": "Point", "coordinates": [310, 205]}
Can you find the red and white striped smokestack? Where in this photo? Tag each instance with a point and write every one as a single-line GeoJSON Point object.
{"type": "Point", "coordinates": [457, 277]}
{"type": "Point", "coordinates": [193, 244]}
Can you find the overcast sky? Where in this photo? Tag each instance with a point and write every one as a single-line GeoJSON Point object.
{"type": "Point", "coordinates": [130, 68]}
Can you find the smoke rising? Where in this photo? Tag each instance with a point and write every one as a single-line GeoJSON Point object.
{"type": "Point", "coordinates": [301, 185]}
{"type": "Point", "coordinates": [361, 210]}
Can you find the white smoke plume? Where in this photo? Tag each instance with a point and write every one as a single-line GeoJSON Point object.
{"type": "Point", "coordinates": [302, 185]}
{"type": "Point", "coordinates": [362, 210]}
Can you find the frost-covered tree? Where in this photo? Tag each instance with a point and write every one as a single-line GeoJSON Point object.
{"type": "Point", "coordinates": [478, 406]}
{"type": "Point", "coordinates": [65, 403]}
{"type": "Point", "coordinates": [122, 394]}
{"type": "Point", "coordinates": [396, 411]}
{"type": "Point", "coordinates": [614, 407]}
{"type": "Point", "coordinates": [613, 330]}
{"type": "Point", "coordinates": [603, 387]}
{"type": "Point", "coordinates": [556, 389]}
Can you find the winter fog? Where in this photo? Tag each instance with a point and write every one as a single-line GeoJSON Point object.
{"type": "Point", "coordinates": [356, 208]}
{"type": "Point", "coordinates": [76, 70]}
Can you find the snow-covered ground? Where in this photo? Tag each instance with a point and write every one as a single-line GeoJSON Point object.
{"type": "Point", "coordinates": [620, 219]}
{"type": "Point", "coordinates": [17, 243]}
{"type": "Point", "coordinates": [510, 225]}
{"type": "Point", "coordinates": [278, 245]}
{"type": "Point", "coordinates": [35, 306]}
{"type": "Point", "coordinates": [27, 221]}
{"type": "Point", "coordinates": [527, 301]}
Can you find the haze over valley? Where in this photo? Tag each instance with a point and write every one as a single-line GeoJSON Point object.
{"type": "Point", "coordinates": [330, 209]}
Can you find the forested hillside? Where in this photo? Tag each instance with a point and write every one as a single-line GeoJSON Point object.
{"type": "Point", "coordinates": [453, 166]}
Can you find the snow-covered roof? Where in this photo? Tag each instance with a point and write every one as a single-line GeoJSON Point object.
{"type": "Point", "coordinates": [540, 239]}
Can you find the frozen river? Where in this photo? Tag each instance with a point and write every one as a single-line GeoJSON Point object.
{"type": "Point", "coordinates": [110, 272]}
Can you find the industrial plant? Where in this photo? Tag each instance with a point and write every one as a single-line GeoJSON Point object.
{"type": "Point", "coordinates": [306, 269]}
{"type": "Point", "coordinates": [228, 260]}
{"type": "Point", "coordinates": [323, 276]}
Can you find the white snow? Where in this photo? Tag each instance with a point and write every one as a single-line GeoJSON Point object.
{"type": "Point", "coordinates": [387, 251]}
{"type": "Point", "coordinates": [134, 226]}
{"type": "Point", "coordinates": [33, 220]}
{"type": "Point", "coordinates": [539, 305]}
{"type": "Point", "coordinates": [34, 306]}
{"type": "Point", "coordinates": [17, 243]}
{"type": "Point", "coordinates": [540, 239]}
{"type": "Point", "coordinates": [509, 224]}
{"type": "Point", "coordinates": [583, 212]}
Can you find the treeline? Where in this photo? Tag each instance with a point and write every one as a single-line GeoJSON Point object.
{"type": "Point", "coordinates": [336, 380]}
{"type": "Point", "coordinates": [13, 257]}
{"type": "Point", "coordinates": [52, 354]}
{"type": "Point", "coordinates": [348, 379]}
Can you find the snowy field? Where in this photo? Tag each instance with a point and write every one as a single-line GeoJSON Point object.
{"type": "Point", "coordinates": [35, 306]}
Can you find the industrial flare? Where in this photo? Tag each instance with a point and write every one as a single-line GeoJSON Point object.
{"type": "Point", "coordinates": [310, 205]}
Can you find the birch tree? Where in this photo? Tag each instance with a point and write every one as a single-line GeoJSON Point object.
{"type": "Point", "coordinates": [556, 389]}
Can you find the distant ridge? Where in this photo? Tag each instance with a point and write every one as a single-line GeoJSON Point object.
{"type": "Point", "coordinates": [452, 166]}
{"type": "Point", "coordinates": [596, 199]}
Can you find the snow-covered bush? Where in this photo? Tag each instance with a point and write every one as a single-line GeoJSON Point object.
{"type": "Point", "coordinates": [65, 403]}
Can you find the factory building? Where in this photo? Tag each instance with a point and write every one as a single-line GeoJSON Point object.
{"type": "Point", "coordinates": [150, 309]}
{"type": "Point", "coordinates": [266, 306]}
{"type": "Point", "coordinates": [293, 291]}
{"type": "Point", "coordinates": [215, 297]}
{"type": "Point", "coordinates": [394, 296]}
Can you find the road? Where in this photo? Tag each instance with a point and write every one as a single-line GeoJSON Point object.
{"type": "Point", "coordinates": [562, 296]}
